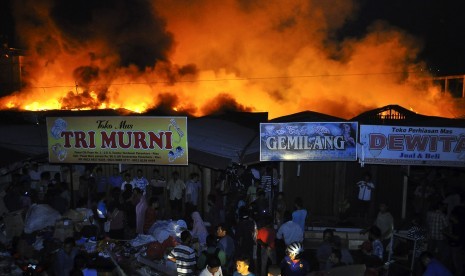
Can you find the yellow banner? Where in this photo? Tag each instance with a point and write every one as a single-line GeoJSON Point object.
{"type": "Point", "coordinates": [125, 140]}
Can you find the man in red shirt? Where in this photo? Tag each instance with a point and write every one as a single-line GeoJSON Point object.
{"type": "Point", "coordinates": [266, 236]}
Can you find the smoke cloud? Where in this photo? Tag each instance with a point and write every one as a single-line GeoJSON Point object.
{"type": "Point", "coordinates": [203, 57]}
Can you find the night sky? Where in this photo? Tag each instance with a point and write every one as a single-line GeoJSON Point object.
{"type": "Point", "coordinates": [438, 24]}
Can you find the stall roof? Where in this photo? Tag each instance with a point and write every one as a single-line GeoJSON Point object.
{"type": "Point", "coordinates": [214, 141]}
{"type": "Point", "coordinates": [223, 139]}
{"type": "Point", "coordinates": [307, 116]}
{"type": "Point", "coordinates": [398, 115]}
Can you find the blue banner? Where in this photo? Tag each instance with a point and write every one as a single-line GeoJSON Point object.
{"type": "Point", "coordinates": [311, 141]}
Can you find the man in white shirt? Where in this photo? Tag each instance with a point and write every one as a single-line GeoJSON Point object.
{"type": "Point", "coordinates": [192, 192]}
{"type": "Point", "coordinates": [176, 188]}
{"type": "Point", "coordinates": [365, 190]}
{"type": "Point", "coordinates": [290, 231]}
{"type": "Point", "coordinates": [140, 181]}
{"type": "Point", "coordinates": [127, 181]}
{"type": "Point", "coordinates": [213, 267]}
{"type": "Point", "coordinates": [385, 222]}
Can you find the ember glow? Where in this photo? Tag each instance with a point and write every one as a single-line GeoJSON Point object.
{"type": "Point", "coordinates": [202, 57]}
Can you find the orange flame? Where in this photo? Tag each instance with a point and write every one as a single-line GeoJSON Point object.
{"type": "Point", "coordinates": [271, 56]}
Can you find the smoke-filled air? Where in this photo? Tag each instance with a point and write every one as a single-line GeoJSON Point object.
{"type": "Point", "coordinates": [205, 57]}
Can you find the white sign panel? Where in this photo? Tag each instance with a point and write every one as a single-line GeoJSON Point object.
{"type": "Point", "coordinates": [412, 145]}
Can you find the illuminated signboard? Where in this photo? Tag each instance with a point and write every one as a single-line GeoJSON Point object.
{"type": "Point", "coordinates": [323, 141]}
{"type": "Point", "coordinates": [410, 145]}
{"type": "Point", "coordinates": [128, 140]}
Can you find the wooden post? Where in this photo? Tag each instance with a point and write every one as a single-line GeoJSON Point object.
{"type": "Point", "coordinates": [404, 193]}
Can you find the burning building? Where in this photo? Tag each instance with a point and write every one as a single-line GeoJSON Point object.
{"type": "Point", "coordinates": [142, 55]}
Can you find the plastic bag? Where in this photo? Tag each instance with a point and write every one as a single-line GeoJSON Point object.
{"type": "Point", "coordinates": [40, 216]}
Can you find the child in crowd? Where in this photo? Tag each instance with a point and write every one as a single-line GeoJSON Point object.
{"type": "Point", "coordinates": [242, 267]}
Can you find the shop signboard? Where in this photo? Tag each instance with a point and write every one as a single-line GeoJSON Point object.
{"type": "Point", "coordinates": [412, 145]}
{"type": "Point", "coordinates": [119, 139]}
{"type": "Point", "coordinates": [308, 141]}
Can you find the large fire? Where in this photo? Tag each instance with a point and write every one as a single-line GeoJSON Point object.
{"type": "Point", "coordinates": [201, 57]}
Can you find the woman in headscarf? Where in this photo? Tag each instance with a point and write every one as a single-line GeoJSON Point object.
{"type": "Point", "coordinates": [141, 207]}
{"type": "Point", "coordinates": [199, 230]}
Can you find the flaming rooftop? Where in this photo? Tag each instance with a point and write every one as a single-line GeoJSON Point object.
{"type": "Point", "coordinates": [205, 57]}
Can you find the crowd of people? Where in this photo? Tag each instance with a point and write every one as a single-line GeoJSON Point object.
{"type": "Point", "coordinates": [121, 206]}
{"type": "Point", "coordinates": [247, 228]}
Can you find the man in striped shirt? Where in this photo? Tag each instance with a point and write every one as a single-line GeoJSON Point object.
{"type": "Point", "coordinates": [268, 184]}
{"type": "Point", "coordinates": [184, 255]}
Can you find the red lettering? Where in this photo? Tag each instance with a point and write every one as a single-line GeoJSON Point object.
{"type": "Point", "coordinates": [91, 139]}
{"type": "Point", "coordinates": [139, 140]}
{"type": "Point", "coordinates": [108, 141]}
{"type": "Point", "coordinates": [80, 139]}
{"type": "Point", "coordinates": [136, 139]}
{"type": "Point", "coordinates": [377, 141]}
{"type": "Point", "coordinates": [396, 142]}
{"type": "Point", "coordinates": [121, 140]}
{"type": "Point", "coordinates": [168, 136]}
{"type": "Point", "coordinates": [156, 139]}
{"type": "Point", "coordinates": [433, 143]}
{"type": "Point", "coordinates": [447, 142]}
{"type": "Point", "coordinates": [418, 142]}
{"type": "Point", "coordinates": [67, 135]}
{"type": "Point", "coordinates": [460, 147]}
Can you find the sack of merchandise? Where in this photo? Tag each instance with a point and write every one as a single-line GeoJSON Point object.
{"type": "Point", "coordinates": [40, 216]}
{"type": "Point", "coordinates": [141, 240]}
{"type": "Point", "coordinates": [155, 250]}
{"type": "Point", "coordinates": [163, 229]}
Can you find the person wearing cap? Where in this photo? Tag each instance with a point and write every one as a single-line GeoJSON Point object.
{"type": "Point", "coordinates": [293, 263]}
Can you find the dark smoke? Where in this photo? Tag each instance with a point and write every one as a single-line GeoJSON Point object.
{"type": "Point", "coordinates": [81, 100]}
{"type": "Point", "coordinates": [129, 27]}
{"type": "Point", "coordinates": [85, 75]}
{"type": "Point", "coordinates": [224, 103]}
{"type": "Point", "coordinates": [167, 103]}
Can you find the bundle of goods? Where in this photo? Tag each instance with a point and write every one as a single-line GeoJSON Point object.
{"type": "Point", "coordinates": [40, 216]}
{"type": "Point", "coordinates": [156, 250]}
{"type": "Point", "coordinates": [167, 235]}
{"type": "Point", "coordinates": [163, 229]}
